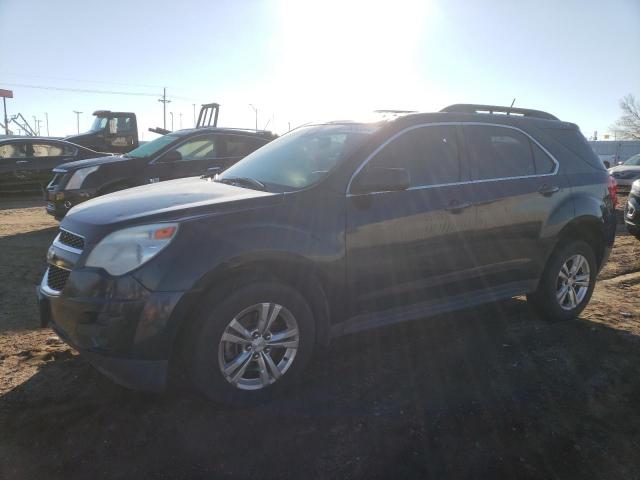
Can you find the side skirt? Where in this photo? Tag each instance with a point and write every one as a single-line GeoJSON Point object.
{"type": "Point", "coordinates": [433, 307]}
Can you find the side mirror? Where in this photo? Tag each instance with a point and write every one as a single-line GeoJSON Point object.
{"type": "Point", "coordinates": [382, 179]}
{"type": "Point", "coordinates": [113, 126]}
{"type": "Point", "coordinates": [172, 156]}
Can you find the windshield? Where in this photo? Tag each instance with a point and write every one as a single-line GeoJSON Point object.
{"type": "Point", "coordinates": [149, 149]}
{"type": "Point", "coordinates": [98, 124]}
{"type": "Point", "coordinates": [300, 158]}
{"type": "Point", "coordinates": [635, 160]}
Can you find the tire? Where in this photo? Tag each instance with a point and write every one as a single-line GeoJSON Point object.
{"type": "Point", "coordinates": [635, 231]}
{"type": "Point", "coordinates": [210, 353]}
{"type": "Point", "coordinates": [548, 299]}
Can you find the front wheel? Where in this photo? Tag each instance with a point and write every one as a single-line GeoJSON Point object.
{"type": "Point", "coordinates": [633, 230]}
{"type": "Point", "coordinates": [567, 282]}
{"type": "Point", "coordinates": [251, 344]}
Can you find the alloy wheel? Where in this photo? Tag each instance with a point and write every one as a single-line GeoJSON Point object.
{"type": "Point", "coordinates": [573, 282]}
{"type": "Point", "coordinates": [258, 346]}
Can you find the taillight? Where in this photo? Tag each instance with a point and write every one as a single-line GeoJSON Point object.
{"type": "Point", "coordinates": [613, 191]}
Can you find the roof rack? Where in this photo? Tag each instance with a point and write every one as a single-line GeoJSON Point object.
{"type": "Point", "coordinates": [208, 113]}
{"type": "Point", "coordinates": [471, 108]}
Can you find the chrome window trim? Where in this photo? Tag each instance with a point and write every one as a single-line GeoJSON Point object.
{"type": "Point", "coordinates": [466, 182]}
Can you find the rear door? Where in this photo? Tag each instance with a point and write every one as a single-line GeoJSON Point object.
{"type": "Point", "coordinates": [48, 155]}
{"type": "Point", "coordinates": [17, 167]}
{"type": "Point", "coordinates": [515, 190]}
{"type": "Point", "coordinates": [410, 246]}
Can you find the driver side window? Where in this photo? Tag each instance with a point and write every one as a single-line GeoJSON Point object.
{"type": "Point", "coordinates": [200, 148]}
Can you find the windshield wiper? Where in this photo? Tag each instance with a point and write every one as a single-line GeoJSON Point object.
{"type": "Point", "coordinates": [243, 181]}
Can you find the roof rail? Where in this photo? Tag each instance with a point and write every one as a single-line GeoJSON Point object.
{"type": "Point", "coordinates": [471, 108]}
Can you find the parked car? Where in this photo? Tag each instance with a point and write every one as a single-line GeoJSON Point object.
{"type": "Point", "coordinates": [26, 163]}
{"type": "Point", "coordinates": [632, 210]}
{"type": "Point", "coordinates": [185, 153]}
{"type": "Point", "coordinates": [626, 173]}
{"type": "Point", "coordinates": [331, 229]}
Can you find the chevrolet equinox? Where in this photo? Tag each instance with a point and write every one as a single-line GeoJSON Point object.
{"type": "Point", "coordinates": [329, 230]}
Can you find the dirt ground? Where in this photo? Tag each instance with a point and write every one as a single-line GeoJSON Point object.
{"type": "Point", "coordinates": [489, 393]}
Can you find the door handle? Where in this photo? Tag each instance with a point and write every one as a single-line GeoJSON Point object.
{"type": "Point", "coordinates": [21, 161]}
{"type": "Point", "coordinates": [548, 190]}
{"type": "Point", "coordinates": [456, 207]}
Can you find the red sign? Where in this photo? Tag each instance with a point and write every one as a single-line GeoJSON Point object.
{"type": "Point", "coordinates": [6, 93]}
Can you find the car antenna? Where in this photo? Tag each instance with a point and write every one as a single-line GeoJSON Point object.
{"type": "Point", "coordinates": [511, 106]}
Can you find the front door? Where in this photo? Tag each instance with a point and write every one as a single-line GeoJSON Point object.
{"type": "Point", "coordinates": [411, 246]}
{"type": "Point", "coordinates": [192, 157]}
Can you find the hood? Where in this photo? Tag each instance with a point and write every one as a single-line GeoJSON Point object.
{"type": "Point", "coordinates": [625, 168]}
{"type": "Point", "coordinates": [173, 199]}
{"type": "Point", "coordinates": [89, 162]}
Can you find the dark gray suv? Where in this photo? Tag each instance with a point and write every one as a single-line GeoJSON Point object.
{"type": "Point", "coordinates": [330, 229]}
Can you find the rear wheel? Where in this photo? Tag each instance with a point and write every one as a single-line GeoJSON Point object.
{"type": "Point", "coordinates": [567, 282]}
{"type": "Point", "coordinates": [252, 344]}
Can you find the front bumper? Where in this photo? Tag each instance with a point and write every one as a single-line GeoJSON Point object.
{"type": "Point", "coordinates": [631, 213]}
{"type": "Point", "coordinates": [59, 202]}
{"type": "Point", "coordinates": [124, 330]}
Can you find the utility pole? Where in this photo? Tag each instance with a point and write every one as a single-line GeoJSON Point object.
{"type": "Point", "coordinates": [38, 122]}
{"type": "Point", "coordinates": [6, 122]}
{"type": "Point", "coordinates": [164, 102]}
{"type": "Point", "coordinates": [180, 120]}
{"type": "Point", "coordinates": [77, 120]}
{"type": "Point", "coordinates": [256, 112]}
{"type": "Point", "coordinates": [35, 124]}
{"type": "Point", "coordinates": [171, 113]}
{"type": "Point", "coordinates": [194, 115]}
{"type": "Point", "coordinates": [46, 116]}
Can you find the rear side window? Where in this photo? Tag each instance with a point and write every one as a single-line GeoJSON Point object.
{"type": "Point", "coordinates": [542, 161]}
{"type": "Point", "coordinates": [574, 141]}
{"type": "Point", "coordinates": [497, 152]}
{"type": "Point", "coordinates": [430, 154]}
{"type": "Point", "coordinates": [52, 150]}
{"type": "Point", "coordinates": [238, 145]}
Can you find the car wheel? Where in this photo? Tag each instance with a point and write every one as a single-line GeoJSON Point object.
{"type": "Point", "coordinates": [567, 282]}
{"type": "Point", "coordinates": [252, 344]}
{"type": "Point", "coordinates": [635, 231]}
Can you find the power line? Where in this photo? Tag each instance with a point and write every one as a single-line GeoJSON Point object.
{"type": "Point", "coordinates": [66, 79]}
{"type": "Point", "coordinates": [81, 90]}
{"type": "Point", "coordinates": [88, 90]}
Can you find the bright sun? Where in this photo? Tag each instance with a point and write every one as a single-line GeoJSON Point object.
{"type": "Point", "coordinates": [348, 57]}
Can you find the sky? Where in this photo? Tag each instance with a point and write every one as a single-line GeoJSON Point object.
{"type": "Point", "coordinates": [315, 60]}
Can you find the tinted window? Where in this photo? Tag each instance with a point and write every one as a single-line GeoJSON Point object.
{"type": "Point", "coordinates": [12, 150]}
{"type": "Point", "coordinates": [430, 154]}
{"type": "Point", "coordinates": [52, 150]}
{"type": "Point", "coordinates": [496, 152]}
{"type": "Point", "coordinates": [235, 145]}
{"type": "Point", "coordinates": [542, 161]}
{"type": "Point", "coordinates": [198, 148]}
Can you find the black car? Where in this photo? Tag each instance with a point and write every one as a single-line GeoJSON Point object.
{"type": "Point", "coordinates": [632, 210]}
{"type": "Point", "coordinates": [185, 153]}
{"type": "Point", "coordinates": [330, 229]}
{"type": "Point", "coordinates": [26, 162]}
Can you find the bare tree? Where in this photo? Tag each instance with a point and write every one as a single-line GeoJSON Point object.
{"type": "Point", "coordinates": [628, 125]}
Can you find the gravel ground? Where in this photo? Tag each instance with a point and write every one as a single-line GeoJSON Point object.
{"type": "Point", "coordinates": [490, 393]}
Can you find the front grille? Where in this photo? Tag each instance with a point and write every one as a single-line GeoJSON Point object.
{"type": "Point", "coordinates": [57, 277]}
{"type": "Point", "coordinates": [71, 239]}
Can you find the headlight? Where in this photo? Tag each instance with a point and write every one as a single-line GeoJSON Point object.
{"type": "Point", "coordinates": [78, 177]}
{"type": "Point", "coordinates": [122, 251]}
{"type": "Point", "coordinates": [635, 187]}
